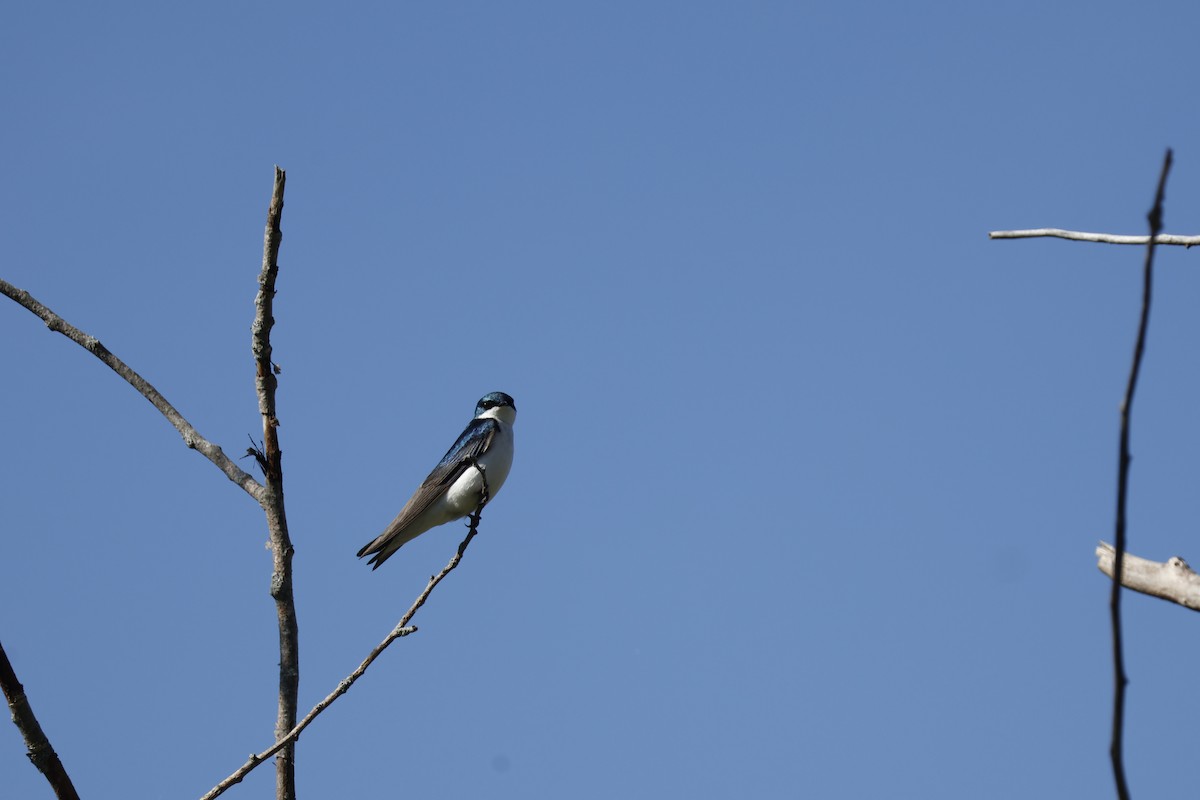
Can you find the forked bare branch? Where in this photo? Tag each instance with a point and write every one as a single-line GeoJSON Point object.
{"type": "Point", "coordinates": [402, 629]}
{"type": "Point", "coordinates": [191, 437]}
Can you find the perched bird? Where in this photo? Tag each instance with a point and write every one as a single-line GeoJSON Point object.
{"type": "Point", "coordinates": [455, 488]}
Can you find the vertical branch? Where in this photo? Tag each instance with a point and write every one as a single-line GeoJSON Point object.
{"type": "Point", "coordinates": [38, 747]}
{"type": "Point", "coordinates": [1120, 680]}
{"type": "Point", "coordinates": [281, 543]}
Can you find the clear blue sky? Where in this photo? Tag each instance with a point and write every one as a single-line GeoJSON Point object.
{"type": "Point", "coordinates": [809, 471]}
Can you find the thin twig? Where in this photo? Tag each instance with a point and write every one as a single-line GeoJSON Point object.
{"type": "Point", "coordinates": [1120, 680]}
{"type": "Point", "coordinates": [402, 629]}
{"type": "Point", "coordinates": [281, 543]}
{"type": "Point", "coordinates": [1104, 238]}
{"type": "Point", "coordinates": [37, 746]}
{"type": "Point", "coordinates": [191, 437]}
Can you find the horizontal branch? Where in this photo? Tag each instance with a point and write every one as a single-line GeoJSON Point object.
{"type": "Point", "coordinates": [191, 437]}
{"type": "Point", "coordinates": [1104, 238]}
{"type": "Point", "coordinates": [1173, 580]}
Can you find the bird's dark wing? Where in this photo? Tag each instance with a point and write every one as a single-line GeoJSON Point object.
{"type": "Point", "coordinates": [473, 442]}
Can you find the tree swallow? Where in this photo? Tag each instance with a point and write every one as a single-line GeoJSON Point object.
{"type": "Point", "coordinates": [455, 488]}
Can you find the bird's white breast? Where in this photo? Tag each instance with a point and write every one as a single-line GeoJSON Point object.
{"type": "Point", "coordinates": [464, 495]}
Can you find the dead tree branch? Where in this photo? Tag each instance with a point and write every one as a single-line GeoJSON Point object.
{"type": "Point", "coordinates": [281, 543]}
{"type": "Point", "coordinates": [37, 746]}
{"type": "Point", "coordinates": [191, 437]}
{"type": "Point", "coordinates": [402, 629]}
{"type": "Point", "coordinates": [1117, 567]}
{"type": "Point", "coordinates": [1104, 238]}
{"type": "Point", "coordinates": [269, 496]}
{"type": "Point", "coordinates": [1173, 580]}
{"type": "Point", "coordinates": [1120, 680]}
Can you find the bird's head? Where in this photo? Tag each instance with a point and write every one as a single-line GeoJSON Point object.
{"type": "Point", "coordinates": [497, 405]}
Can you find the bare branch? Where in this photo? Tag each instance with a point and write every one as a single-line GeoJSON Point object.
{"type": "Point", "coordinates": [191, 437]}
{"type": "Point", "coordinates": [1173, 580]}
{"type": "Point", "coordinates": [281, 543]}
{"type": "Point", "coordinates": [1120, 680]}
{"type": "Point", "coordinates": [402, 629]}
{"type": "Point", "coordinates": [1104, 238]}
{"type": "Point", "coordinates": [36, 744]}
{"type": "Point", "coordinates": [269, 496]}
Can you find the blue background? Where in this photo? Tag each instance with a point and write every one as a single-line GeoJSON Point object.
{"type": "Point", "coordinates": [809, 472]}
